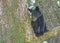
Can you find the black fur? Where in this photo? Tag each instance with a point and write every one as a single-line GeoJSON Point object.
{"type": "Point", "coordinates": [39, 25]}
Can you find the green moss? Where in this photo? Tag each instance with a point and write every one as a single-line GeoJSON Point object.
{"type": "Point", "coordinates": [14, 4]}
{"type": "Point", "coordinates": [20, 42]}
{"type": "Point", "coordinates": [30, 42]}
{"type": "Point", "coordinates": [16, 32]}
{"type": "Point", "coordinates": [58, 0]}
{"type": "Point", "coordinates": [1, 41]}
{"type": "Point", "coordinates": [28, 1]}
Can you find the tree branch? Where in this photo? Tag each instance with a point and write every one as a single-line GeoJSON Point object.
{"type": "Point", "coordinates": [51, 34]}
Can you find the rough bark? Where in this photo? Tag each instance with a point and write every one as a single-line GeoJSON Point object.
{"type": "Point", "coordinates": [15, 23]}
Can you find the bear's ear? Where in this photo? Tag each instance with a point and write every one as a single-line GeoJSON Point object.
{"type": "Point", "coordinates": [37, 8]}
{"type": "Point", "coordinates": [30, 10]}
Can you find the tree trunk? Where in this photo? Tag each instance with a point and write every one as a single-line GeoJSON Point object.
{"type": "Point", "coordinates": [15, 26]}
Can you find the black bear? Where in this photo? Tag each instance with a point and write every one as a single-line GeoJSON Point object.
{"type": "Point", "coordinates": [37, 22]}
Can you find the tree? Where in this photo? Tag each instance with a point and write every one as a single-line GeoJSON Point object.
{"type": "Point", "coordinates": [15, 22]}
